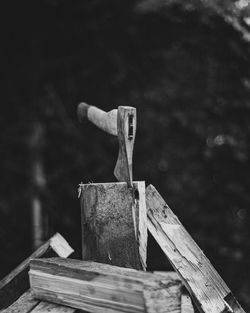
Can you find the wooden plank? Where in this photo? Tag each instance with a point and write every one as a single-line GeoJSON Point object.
{"type": "Point", "coordinates": [114, 224]}
{"type": "Point", "coordinates": [16, 283]}
{"type": "Point", "coordinates": [98, 287]}
{"type": "Point", "coordinates": [209, 291]}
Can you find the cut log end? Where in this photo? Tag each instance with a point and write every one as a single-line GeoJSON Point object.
{"type": "Point", "coordinates": [114, 228]}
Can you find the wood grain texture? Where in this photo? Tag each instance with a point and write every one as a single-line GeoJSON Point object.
{"type": "Point", "coordinates": [97, 287]}
{"type": "Point", "coordinates": [209, 291]}
{"type": "Point", "coordinates": [114, 224]}
{"type": "Point", "coordinates": [16, 283]}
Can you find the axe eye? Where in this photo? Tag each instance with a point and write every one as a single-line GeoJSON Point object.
{"type": "Point", "coordinates": [130, 126]}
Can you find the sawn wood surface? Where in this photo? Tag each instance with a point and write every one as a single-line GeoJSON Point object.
{"type": "Point", "coordinates": [114, 224]}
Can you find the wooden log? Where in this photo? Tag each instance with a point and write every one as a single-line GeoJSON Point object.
{"type": "Point", "coordinates": [114, 224]}
{"type": "Point", "coordinates": [98, 288]}
{"type": "Point", "coordinates": [209, 291]}
{"type": "Point", "coordinates": [16, 283]}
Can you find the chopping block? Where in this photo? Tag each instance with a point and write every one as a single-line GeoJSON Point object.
{"type": "Point", "coordinates": [114, 223]}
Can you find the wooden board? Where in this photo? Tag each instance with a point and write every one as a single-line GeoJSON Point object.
{"type": "Point", "coordinates": [209, 291]}
{"type": "Point", "coordinates": [98, 287]}
{"type": "Point", "coordinates": [114, 224]}
{"type": "Point", "coordinates": [16, 283]}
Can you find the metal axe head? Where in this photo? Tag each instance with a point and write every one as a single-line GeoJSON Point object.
{"type": "Point", "coordinates": [126, 131]}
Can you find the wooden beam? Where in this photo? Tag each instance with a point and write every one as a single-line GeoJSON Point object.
{"type": "Point", "coordinates": [114, 224]}
{"type": "Point", "coordinates": [98, 288]}
{"type": "Point", "coordinates": [16, 283]}
{"type": "Point", "coordinates": [209, 291]}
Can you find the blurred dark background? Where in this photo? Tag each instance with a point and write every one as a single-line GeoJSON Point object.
{"type": "Point", "coordinates": [184, 66]}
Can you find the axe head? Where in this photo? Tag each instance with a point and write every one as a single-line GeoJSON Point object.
{"type": "Point", "coordinates": [126, 131]}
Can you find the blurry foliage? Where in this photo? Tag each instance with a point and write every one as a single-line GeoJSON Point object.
{"type": "Point", "coordinates": [187, 72]}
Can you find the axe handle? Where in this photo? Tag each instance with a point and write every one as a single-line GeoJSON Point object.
{"type": "Point", "coordinates": [106, 121]}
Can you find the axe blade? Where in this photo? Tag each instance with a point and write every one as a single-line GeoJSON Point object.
{"type": "Point", "coordinates": [126, 131]}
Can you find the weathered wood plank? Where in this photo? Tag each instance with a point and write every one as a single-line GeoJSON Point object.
{"type": "Point", "coordinates": [209, 291]}
{"type": "Point", "coordinates": [98, 288]}
{"type": "Point", "coordinates": [16, 283]}
{"type": "Point", "coordinates": [114, 224]}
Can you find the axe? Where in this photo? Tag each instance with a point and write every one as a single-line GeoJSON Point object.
{"type": "Point", "coordinates": [119, 122]}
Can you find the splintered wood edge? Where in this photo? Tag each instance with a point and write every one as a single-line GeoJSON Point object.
{"type": "Point", "coordinates": [142, 231]}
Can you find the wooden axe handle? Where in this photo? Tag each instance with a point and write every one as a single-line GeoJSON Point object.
{"type": "Point", "coordinates": [106, 121]}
